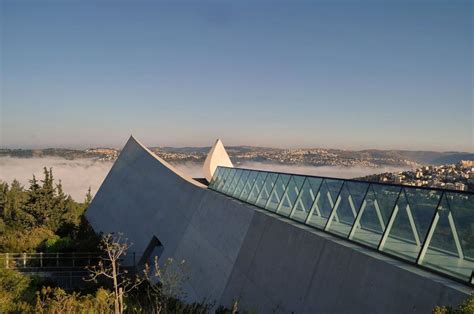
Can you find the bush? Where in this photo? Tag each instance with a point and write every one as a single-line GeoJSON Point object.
{"type": "Point", "coordinates": [467, 307]}
{"type": "Point", "coordinates": [57, 244]}
{"type": "Point", "coordinates": [56, 300]}
{"type": "Point", "coordinates": [14, 289]}
{"type": "Point", "coordinates": [24, 241]}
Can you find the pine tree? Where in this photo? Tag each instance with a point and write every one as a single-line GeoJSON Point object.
{"type": "Point", "coordinates": [47, 190]}
{"type": "Point", "coordinates": [38, 205]}
{"type": "Point", "coordinates": [34, 190]}
{"type": "Point", "coordinates": [3, 201]}
{"type": "Point", "coordinates": [60, 198]}
{"type": "Point", "coordinates": [88, 199]}
{"type": "Point", "coordinates": [17, 199]}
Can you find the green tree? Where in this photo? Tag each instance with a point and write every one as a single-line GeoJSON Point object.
{"type": "Point", "coordinates": [14, 290]}
{"type": "Point", "coordinates": [3, 200]}
{"type": "Point", "coordinates": [16, 200]}
{"type": "Point", "coordinates": [466, 307]}
{"type": "Point", "coordinates": [32, 205]}
{"type": "Point", "coordinates": [88, 199]}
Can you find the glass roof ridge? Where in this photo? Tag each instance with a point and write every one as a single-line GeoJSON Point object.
{"type": "Point", "coordinates": [431, 228]}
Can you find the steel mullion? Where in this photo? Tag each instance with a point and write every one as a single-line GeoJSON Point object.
{"type": "Point", "coordinates": [287, 184]}
{"type": "Point", "coordinates": [259, 192]}
{"type": "Point", "coordinates": [359, 213]}
{"type": "Point", "coordinates": [454, 229]}
{"type": "Point", "coordinates": [250, 185]}
{"type": "Point", "coordinates": [334, 208]}
{"type": "Point", "coordinates": [224, 178]}
{"type": "Point", "coordinates": [311, 209]}
{"type": "Point", "coordinates": [236, 177]}
{"type": "Point", "coordinates": [242, 178]}
{"type": "Point", "coordinates": [431, 230]}
{"type": "Point", "coordinates": [214, 176]}
{"type": "Point", "coordinates": [293, 208]}
{"type": "Point", "coordinates": [393, 215]}
{"type": "Point", "coordinates": [228, 183]}
{"type": "Point", "coordinates": [283, 197]}
{"type": "Point", "coordinates": [271, 192]}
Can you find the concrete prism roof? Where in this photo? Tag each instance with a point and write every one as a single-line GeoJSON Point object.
{"type": "Point", "coordinates": [217, 157]}
{"type": "Point", "coordinates": [239, 251]}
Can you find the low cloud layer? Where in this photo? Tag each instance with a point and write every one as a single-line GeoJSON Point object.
{"type": "Point", "coordinates": [77, 175]}
{"type": "Point", "coordinates": [337, 172]}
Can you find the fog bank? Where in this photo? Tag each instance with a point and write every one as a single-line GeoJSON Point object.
{"type": "Point", "coordinates": [325, 171]}
{"type": "Point", "coordinates": [77, 175]}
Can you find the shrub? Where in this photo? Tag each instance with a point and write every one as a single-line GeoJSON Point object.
{"type": "Point", "coordinates": [466, 307]}
{"type": "Point", "coordinates": [14, 288]}
{"type": "Point", "coordinates": [57, 244]}
{"type": "Point", "coordinates": [24, 241]}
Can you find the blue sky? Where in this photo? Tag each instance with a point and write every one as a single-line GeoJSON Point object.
{"type": "Point", "coordinates": [340, 74]}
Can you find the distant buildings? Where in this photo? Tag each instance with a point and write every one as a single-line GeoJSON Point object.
{"type": "Point", "coordinates": [454, 177]}
{"type": "Point", "coordinates": [104, 154]}
{"type": "Point", "coordinates": [470, 182]}
{"type": "Point", "coordinates": [467, 163]}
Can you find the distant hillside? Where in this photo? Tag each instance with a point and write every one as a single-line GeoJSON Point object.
{"type": "Point", "coordinates": [304, 156]}
{"type": "Point", "coordinates": [433, 158]}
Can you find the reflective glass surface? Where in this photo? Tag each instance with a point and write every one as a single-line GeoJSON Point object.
{"type": "Point", "coordinates": [345, 212]}
{"type": "Point", "coordinates": [257, 187]}
{"type": "Point", "coordinates": [431, 228]}
{"type": "Point", "coordinates": [290, 195]}
{"type": "Point", "coordinates": [325, 201]}
{"type": "Point", "coordinates": [215, 177]}
{"type": "Point", "coordinates": [267, 189]}
{"type": "Point", "coordinates": [277, 192]}
{"type": "Point", "coordinates": [220, 184]}
{"type": "Point", "coordinates": [233, 184]}
{"type": "Point", "coordinates": [249, 183]}
{"type": "Point", "coordinates": [449, 241]}
{"type": "Point", "coordinates": [241, 183]}
{"type": "Point", "coordinates": [228, 181]}
{"type": "Point", "coordinates": [374, 214]}
{"type": "Point", "coordinates": [412, 216]}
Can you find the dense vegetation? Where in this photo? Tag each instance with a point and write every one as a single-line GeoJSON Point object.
{"type": "Point", "coordinates": [43, 218]}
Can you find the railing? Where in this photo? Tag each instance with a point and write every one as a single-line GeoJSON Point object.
{"type": "Point", "coordinates": [51, 262]}
{"type": "Point", "coordinates": [432, 228]}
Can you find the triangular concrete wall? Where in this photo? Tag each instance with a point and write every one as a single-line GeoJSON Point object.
{"type": "Point", "coordinates": [217, 156]}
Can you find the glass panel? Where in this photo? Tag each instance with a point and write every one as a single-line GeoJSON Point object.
{"type": "Point", "coordinates": [228, 180]}
{"type": "Point", "coordinates": [248, 185]}
{"type": "Point", "coordinates": [214, 177]}
{"type": "Point", "coordinates": [451, 245]}
{"type": "Point", "coordinates": [277, 193]}
{"type": "Point", "coordinates": [266, 189]}
{"type": "Point", "coordinates": [413, 223]}
{"type": "Point", "coordinates": [412, 217]}
{"type": "Point", "coordinates": [374, 214]}
{"type": "Point", "coordinates": [222, 180]}
{"type": "Point", "coordinates": [325, 201]}
{"type": "Point", "coordinates": [241, 183]}
{"type": "Point", "coordinates": [462, 208]}
{"type": "Point", "coordinates": [345, 212]}
{"type": "Point", "coordinates": [257, 187]}
{"type": "Point", "coordinates": [290, 195]}
{"type": "Point", "coordinates": [233, 184]}
{"type": "Point", "coordinates": [306, 198]}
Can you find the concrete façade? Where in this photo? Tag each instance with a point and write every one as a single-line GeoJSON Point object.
{"type": "Point", "coordinates": [237, 251]}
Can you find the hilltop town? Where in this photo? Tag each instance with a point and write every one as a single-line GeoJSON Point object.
{"type": "Point", "coordinates": [433, 169]}
{"type": "Point", "coordinates": [458, 176]}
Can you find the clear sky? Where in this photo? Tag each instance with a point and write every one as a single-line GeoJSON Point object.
{"type": "Point", "coordinates": [339, 74]}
